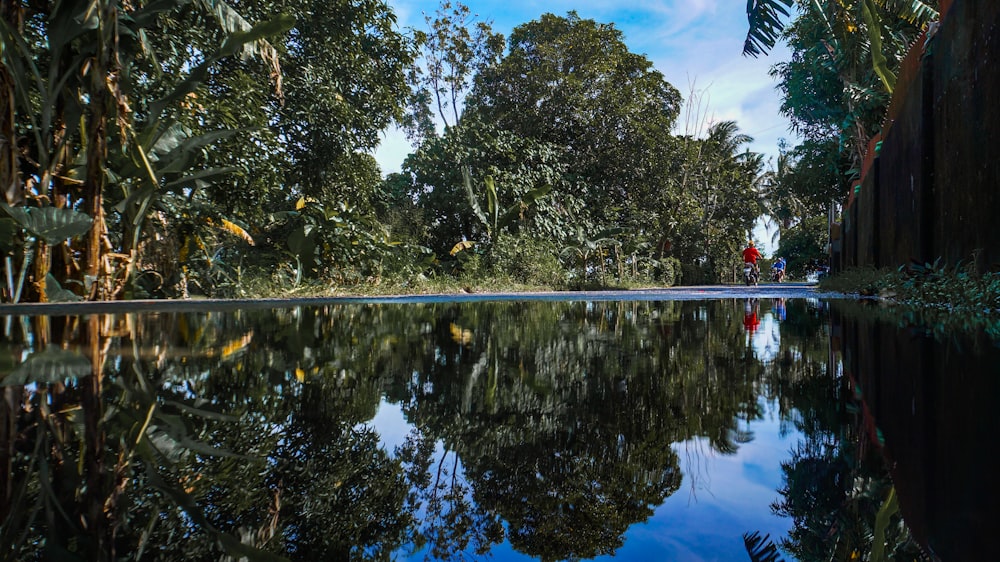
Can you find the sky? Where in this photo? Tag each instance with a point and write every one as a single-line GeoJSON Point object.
{"type": "Point", "coordinates": [696, 44]}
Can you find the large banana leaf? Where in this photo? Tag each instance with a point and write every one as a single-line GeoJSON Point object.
{"type": "Point", "coordinates": [879, 62]}
{"type": "Point", "coordinates": [473, 200]}
{"type": "Point", "coordinates": [55, 293]}
{"type": "Point", "coordinates": [51, 224]}
{"type": "Point", "coordinates": [514, 211]}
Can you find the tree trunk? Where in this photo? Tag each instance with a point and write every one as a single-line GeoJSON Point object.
{"type": "Point", "coordinates": [96, 479]}
{"type": "Point", "coordinates": [93, 191]}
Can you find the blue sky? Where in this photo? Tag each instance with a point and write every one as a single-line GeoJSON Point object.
{"type": "Point", "coordinates": [696, 44]}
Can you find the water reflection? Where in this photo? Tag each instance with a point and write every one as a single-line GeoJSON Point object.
{"type": "Point", "coordinates": [928, 389]}
{"type": "Point", "coordinates": [546, 430]}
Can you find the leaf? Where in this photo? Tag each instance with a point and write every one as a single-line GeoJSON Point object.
{"type": "Point", "coordinates": [200, 175]}
{"type": "Point", "coordinates": [49, 366]}
{"type": "Point", "coordinates": [760, 549]}
{"type": "Point", "coordinates": [889, 508]}
{"type": "Point", "coordinates": [463, 245]}
{"type": "Point", "coordinates": [473, 202]}
{"type": "Point", "coordinates": [879, 62]}
{"type": "Point", "coordinates": [232, 228]}
{"type": "Point", "coordinates": [491, 202]}
{"type": "Point", "coordinates": [514, 212]}
{"type": "Point", "coordinates": [234, 41]}
{"type": "Point", "coordinates": [300, 243]}
{"type": "Point", "coordinates": [55, 292]}
{"type": "Point", "coordinates": [51, 224]}
{"type": "Point", "coordinates": [765, 25]}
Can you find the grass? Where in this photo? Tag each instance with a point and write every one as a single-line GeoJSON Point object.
{"type": "Point", "coordinates": [943, 298]}
{"type": "Point", "coordinates": [959, 288]}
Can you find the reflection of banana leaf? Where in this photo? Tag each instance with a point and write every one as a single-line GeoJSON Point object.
{"type": "Point", "coordinates": [8, 234]}
{"type": "Point", "coordinates": [889, 508]}
{"type": "Point", "coordinates": [232, 545]}
{"type": "Point", "coordinates": [51, 224]}
{"type": "Point", "coordinates": [51, 365]}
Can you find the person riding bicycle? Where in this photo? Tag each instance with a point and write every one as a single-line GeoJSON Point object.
{"type": "Point", "coordinates": [779, 268]}
{"type": "Point", "coordinates": [751, 255]}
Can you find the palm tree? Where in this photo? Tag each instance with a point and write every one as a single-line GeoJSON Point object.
{"type": "Point", "coordinates": [782, 206]}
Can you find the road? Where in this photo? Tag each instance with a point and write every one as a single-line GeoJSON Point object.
{"type": "Point", "coordinates": [789, 290]}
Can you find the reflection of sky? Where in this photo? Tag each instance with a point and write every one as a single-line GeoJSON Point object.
{"type": "Point", "coordinates": [720, 498]}
{"type": "Point", "coordinates": [766, 339]}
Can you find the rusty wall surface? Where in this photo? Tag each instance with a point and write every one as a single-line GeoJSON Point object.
{"type": "Point", "coordinates": [934, 190]}
{"type": "Point", "coordinates": [868, 218]}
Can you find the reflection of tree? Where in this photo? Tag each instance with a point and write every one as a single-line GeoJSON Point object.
{"type": "Point", "coordinates": [341, 494]}
{"type": "Point", "coordinates": [548, 424]}
{"type": "Point", "coordinates": [837, 487]}
{"type": "Point", "coordinates": [564, 415]}
{"type": "Point", "coordinates": [182, 426]}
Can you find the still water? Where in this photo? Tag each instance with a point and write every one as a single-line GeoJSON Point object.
{"type": "Point", "coordinates": [534, 430]}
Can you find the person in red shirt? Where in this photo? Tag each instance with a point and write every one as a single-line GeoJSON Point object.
{"type": "Point", "coordinates": [750, 319]}
{"type": "Point", "coordinates": [751, 255]}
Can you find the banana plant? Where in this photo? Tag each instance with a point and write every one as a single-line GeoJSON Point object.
{"type": "Point", "coordinates": [70, 86]}
{"type": "Point", "coordinates": [45, 227]}
{"type": "Point", "coordinates": [584, 247]}
{"type": "Point", "coordinates": [493, 220]}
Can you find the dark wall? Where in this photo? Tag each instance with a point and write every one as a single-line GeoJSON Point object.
{"type": "Point", "coordinates": [934, 189]}
{"type": "Point", "coordinates": [933, 403]}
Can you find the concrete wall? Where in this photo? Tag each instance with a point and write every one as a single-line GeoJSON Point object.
{"type": "Point", "coordinates": [933, 190]}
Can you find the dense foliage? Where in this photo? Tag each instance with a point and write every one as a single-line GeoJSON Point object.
{"type": "Point", "coordinates": [180, 147]}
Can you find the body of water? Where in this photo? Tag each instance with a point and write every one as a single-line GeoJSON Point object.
{"type": "Point", "coordinates": [688, 430]}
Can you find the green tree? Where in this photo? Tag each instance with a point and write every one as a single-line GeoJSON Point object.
{"type": "Point", "coordinates": [804, 245]}
{"type": "Point", "coordinates": [451, 54]}
{"type": "Point", "coordinates": [573, 83]}
{"type": "Point", "coordinates": [518, 166]}
{"type": "Point", "coordinates": [719, 198]}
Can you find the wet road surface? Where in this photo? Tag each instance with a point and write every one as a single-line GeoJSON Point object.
{"type": "Point", "coordinates": [791, 290]}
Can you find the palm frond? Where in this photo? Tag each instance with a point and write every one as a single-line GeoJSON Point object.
{"type": "Point", "coordinates": [765, 18]}
{"type": "Point", "coordinates": [760, 549]}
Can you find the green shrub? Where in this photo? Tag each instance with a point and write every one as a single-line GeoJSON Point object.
{"type": "Point", "coordinates": [668, 271]}
{"type": "Point", "coordinates": [526, 260]}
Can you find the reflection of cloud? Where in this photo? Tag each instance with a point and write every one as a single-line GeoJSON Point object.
{"type": "Point", "coordinates": [391, 425]}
